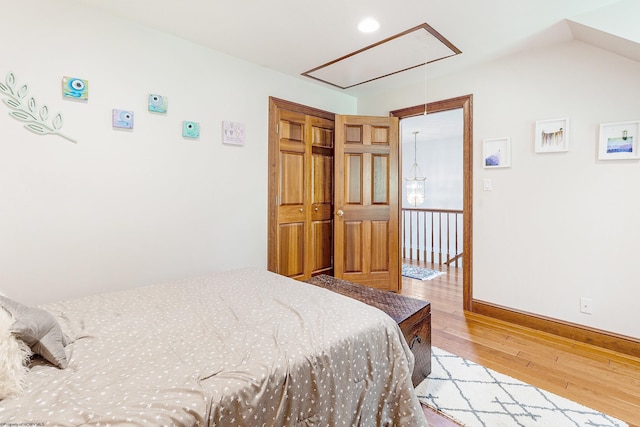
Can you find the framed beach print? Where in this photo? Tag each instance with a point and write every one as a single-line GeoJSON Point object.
{"type": "Point", "coordinates": [496, 153]}
{"type": "Point", "coordinates": [552, 136]}
{"type": "Point", "coordinates": [618, 141]}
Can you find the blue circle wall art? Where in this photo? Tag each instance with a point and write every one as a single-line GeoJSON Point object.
{"type": "Point", "coordinates": [122, 119]}
{"type": "Point", "coordinates": [158, 103]}
{"type": "Point", "coordinates": [75, 88]}
{"type": "Point", "coordinates": [191, 130]}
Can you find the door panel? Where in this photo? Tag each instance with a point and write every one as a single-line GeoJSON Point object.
{"type": "Point", "coordinates": [353, 176]}
{"type": "Point", "coordinates": [322, 244]}
{"type": "Point", "coordinates": [380, 184]}
{"type": "Point", "coordinates": [366, 201]}
{"type": "Point", "coordinates": [379, 243]}
{"type": "Point", "coordinates": [352, 250]}
{"type": "Point", "coordinates": [291, 256]}
{"type": "Point", "coordinates": [291, 187]}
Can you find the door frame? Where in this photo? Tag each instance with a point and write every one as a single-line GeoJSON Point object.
{"type": "Point", "coordinates": [466, 103]}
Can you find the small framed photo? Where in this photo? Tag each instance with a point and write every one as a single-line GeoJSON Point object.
{"type": "Point", "coordinates": [496, 153]}
{"type": "Point", "coordinates": [552, 136]}
{"type": "Point", "coordinates": [232, 133]}
{"type": "Point", "coordinates": [619, 141]}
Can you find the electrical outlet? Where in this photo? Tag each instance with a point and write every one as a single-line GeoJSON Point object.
{"type": "Point", "coordinates": [585, 305]}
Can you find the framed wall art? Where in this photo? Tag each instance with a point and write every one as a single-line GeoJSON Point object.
{"type": "Point", "coordinates": [191, 130]}
{"type": "Point", "coordinates": [158, 103]}
{"type": "Point", "coordinates": [552, 136]}
{"type": "Point", "coordinates": [122, 119]}
{"type": "Point", "coordinates": [618, 141]}
{"type": "Point", "coordinates": [232, 133]}
{"type": "Point", "coordinates": [496, 153]}
{"type": "Point", "coordinates": [75, 88]}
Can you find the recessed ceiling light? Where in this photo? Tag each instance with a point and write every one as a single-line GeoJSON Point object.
{"type": "Point", "coordinates": [368, 25]}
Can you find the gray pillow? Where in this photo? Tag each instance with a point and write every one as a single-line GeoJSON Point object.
{"type": "Point", "coordinates": [39, 330]}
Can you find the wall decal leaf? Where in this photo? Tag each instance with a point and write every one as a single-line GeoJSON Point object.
{"type": "Point", "coordinates": [37, 128]}
{"type": "Point", "coordinates": [21, 115]}
{"type": "Point", "coordinates": [22, 92]}
{"type": "Point", "coordinates": [44, 112]}
{"type": "Point", "coordinates": [57, 121]}
{"type": "Point", "coordinates": [4, 89]}
{"type": "Point", "coordinates": [11, 103]}
{"type": "Point", "coordinates": [11, 81]}
{"type": "Point", "coordinates": [32, 105]}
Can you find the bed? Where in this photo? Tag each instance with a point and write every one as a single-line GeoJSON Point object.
{"type": "Point", "coordinates": [239, 348]}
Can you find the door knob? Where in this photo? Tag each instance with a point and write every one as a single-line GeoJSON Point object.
{"type": "Point", "coordinates": [315, 209]}
{"type": "Point", "coordinates": [301, 209]}
{"type": "Point", "coordinates": [340, 212]}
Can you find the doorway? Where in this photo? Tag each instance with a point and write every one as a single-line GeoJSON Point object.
{"type": "Point", "coordinates": [463, 103]}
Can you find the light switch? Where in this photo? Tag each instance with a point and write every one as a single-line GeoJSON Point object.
{"type": "Point", "coordinates": [487, 185]}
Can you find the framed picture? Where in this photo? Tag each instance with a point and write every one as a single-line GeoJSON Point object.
{"type": "Point", "coordinates": [122, 119]}
{"type": "Point", "coordinates": [75, 88]}
{"type": "Point", "coordinates": [619, 141]}
{"type": "Point", "coordinates": [552, 136]}
{"type": "Point", "coordinates": [191, 130]}
{"type": "Point", "coordinates": [496, 153]}
{"type": "Point", "coordinates": [158, 103]}
{"type": "Point", "coordinates": [232, 133]}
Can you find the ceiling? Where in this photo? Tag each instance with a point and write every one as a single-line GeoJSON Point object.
{"type": "Point", "coordinates": [293, 36]}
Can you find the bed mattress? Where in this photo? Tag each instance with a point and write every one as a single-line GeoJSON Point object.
{"type": "Point", "coordinates": [240, 348]}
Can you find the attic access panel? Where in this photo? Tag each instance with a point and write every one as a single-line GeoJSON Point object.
{"type": "Point", "coordinates": [410, 49]}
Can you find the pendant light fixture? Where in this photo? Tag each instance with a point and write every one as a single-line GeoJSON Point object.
{"type": "Point", "coordinates": [415, 183]}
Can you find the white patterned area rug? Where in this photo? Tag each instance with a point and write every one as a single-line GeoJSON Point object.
{"type": "Point", "coordinates": [476, 396]}
{"type": "Point", "coordinates": [419, 273]}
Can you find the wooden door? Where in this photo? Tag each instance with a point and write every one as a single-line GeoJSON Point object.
{"type": "Point", "coordinates": [366, 227]}
{"type": "Point", "coordinates": [300, 191]}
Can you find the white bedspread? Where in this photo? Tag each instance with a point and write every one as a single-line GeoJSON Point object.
{"type": "Point", "coordinates": [240, 348]}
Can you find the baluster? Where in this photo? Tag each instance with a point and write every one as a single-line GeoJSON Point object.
{"type": "Point", "coordinates": [448, 238]}
{"type": "Point", "coordinates": [404, 233]}
{"type": "Point", "coordinates": [433, 255]}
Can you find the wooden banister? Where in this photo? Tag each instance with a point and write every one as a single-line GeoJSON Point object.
{"type": "Point", "coordinates": [432, 235]}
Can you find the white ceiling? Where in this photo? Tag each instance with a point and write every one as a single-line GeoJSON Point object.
{"type": "Point", "coordinates": [294, 36]}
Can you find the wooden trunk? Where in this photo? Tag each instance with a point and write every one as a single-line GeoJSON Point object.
{"type": "Point", "coordinates": [412, 315]}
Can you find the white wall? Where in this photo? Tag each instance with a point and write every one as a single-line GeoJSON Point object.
{"type": "Point", "coordinates": [557, 226]}
{"type": "Point", "coordinates": [129, 208]}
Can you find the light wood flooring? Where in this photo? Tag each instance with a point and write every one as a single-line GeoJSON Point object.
{"type": "Point", "coordinates": [595, 377]}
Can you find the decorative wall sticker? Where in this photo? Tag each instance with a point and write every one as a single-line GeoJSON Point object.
{"type": "Point", "coordinates": [75, 88]}
{"type": "Point", "coordinates": [35, 117]}
{"type": "Point", "coordinates": [191, 129]}
{"type": "Point", "coordinates": [122, 119]}
{"type": "Point", "coordinates": [233, 133]}
{"type": "Point", "coordinates": [158, 103]}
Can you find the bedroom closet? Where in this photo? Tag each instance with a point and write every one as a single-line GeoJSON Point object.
{"type": "Point", "coordinates": [333, 195]}
{"type": "Point", "coordinates": [301, 150]}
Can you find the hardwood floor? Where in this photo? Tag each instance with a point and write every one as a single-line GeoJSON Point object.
{"type": "Point", "coordinates": [598, 378]}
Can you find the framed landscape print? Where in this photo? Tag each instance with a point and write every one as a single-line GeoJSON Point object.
{"type": "Point", "coordinates": [618, 141]}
